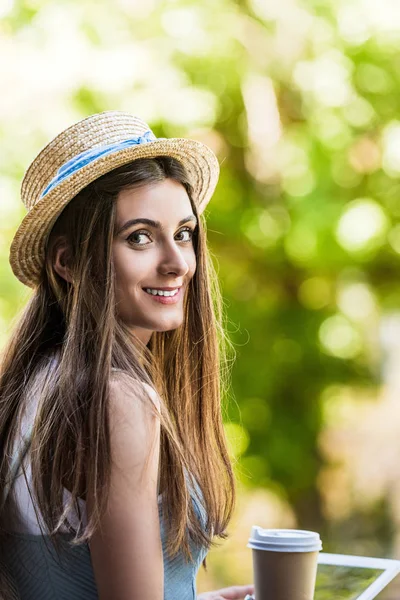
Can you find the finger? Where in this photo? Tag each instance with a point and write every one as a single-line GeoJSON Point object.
{"type": "Point", "coordinates": [236, 592]}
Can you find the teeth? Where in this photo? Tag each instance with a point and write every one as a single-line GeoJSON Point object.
{"type": "Point", "coordinates": [161, 293]}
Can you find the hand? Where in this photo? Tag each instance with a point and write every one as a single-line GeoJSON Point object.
{"type": "Point", "coordinates": [235, 592]}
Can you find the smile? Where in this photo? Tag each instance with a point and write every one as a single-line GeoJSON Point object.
{"type": "Point", "coordinates": [161, 292]}
{"type": "Point", "coordinates": [171, 297]}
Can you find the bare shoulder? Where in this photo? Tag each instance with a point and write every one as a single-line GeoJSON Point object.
{"type": "Point", "coordinates": [126, 551]}
{"type": "Point", "coordinates": [126, 392]}
{"type": "Point", "coordinates": [134, 424]}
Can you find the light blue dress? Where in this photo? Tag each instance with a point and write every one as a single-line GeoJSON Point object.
{"type": "Point", "coordinates": [39, 574]}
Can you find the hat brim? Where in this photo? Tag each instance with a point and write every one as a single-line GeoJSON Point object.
{"type": "Point", "coordinates": [27, 250]}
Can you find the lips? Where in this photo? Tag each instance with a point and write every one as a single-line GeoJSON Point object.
{"type": "Point", "coordinates": [162, 289]}
{"type": "Point", "coordinates": [165, 299]}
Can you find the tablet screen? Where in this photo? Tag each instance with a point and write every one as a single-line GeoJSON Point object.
{"type": "Point", "coordinates": [343, 582]}
{"type": "Point", "coordinates": [346, 577]}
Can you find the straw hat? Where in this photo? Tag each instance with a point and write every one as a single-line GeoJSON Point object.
{"type": "Point", "coordinates": [79, 155]}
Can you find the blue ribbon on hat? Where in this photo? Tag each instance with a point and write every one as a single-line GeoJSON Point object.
{"type": "Point", "coordinates": [88, 156]}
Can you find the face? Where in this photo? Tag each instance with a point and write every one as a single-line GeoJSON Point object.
{"type": "Point", "coordinates": [153, 256]}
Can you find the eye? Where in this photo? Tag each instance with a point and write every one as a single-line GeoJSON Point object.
{"type": "Point", "coordinates": [131, 238]}
{"type": "Point", "coordinates": [187, 230]}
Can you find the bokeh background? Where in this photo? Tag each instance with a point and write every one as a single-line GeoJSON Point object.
{"type": "Point", "coordinates": [300, 101]}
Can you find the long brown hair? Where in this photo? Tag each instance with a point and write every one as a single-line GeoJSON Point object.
{"type": "Point", "coordinates": [77, 322]}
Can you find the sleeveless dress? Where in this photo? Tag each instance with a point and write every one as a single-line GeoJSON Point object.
{"type": "Point", "coordinates": [40, 574]}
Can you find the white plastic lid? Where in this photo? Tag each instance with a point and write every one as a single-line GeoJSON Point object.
{"type": "Point", "coordinates": [284, 540]}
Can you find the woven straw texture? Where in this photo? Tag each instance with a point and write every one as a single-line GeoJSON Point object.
{"type": "Point", "coordinates": [28, 247]}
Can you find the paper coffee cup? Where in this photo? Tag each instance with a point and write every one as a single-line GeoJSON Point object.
{"type": "Point", "coordinates": [284, 563]}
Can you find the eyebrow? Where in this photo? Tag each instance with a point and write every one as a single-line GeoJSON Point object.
{"type": "Point", "coordinates": [155, 224]}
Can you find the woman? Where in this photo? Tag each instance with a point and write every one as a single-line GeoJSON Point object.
{"type": "Point", "coordinates": [114, 468]}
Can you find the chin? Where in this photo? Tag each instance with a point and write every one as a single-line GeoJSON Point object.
{"type": "Point", "coordinates": [169, 325]}
{"type": "Point", "coordinates": [168, 328]}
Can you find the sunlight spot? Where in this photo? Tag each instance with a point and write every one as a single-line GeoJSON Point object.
{"type": "Point", "coordinates": [391, 149]}
{"type": "Point", "coordinates": [356, 301]}
{"type": "Point", "coordinates": [339, 338]}
{"type": "Point", "coordinates": [363, 225]}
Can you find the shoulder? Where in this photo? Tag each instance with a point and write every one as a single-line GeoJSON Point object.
{"type": "Point", "coordinates": [126, 549]}
{"type": "Point", "coordinates": [127, 392]}
{"type": "Point", "coordinates": [134, 420]}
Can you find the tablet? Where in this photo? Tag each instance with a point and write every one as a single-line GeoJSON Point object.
{"type": "Point", "coordinates": [346, 577]}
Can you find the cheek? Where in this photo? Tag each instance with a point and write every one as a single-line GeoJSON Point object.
{"type": "Point", "coordinates": [128, 271]}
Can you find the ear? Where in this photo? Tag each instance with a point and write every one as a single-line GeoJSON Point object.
{"type": "Point", "coordinates": [60, 261]}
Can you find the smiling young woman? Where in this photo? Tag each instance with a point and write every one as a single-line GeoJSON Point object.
{"type": "Point", "coordinates": [111, 436]}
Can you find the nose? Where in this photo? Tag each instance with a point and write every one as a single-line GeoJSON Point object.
{"type": "Point", "coordinates": [173, 260]}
